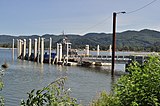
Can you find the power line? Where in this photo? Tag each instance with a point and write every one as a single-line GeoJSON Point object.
{"type": "Point", "coordinates": [141, 7]}
{"type": "Point", "coordinates": [93, 26]}
{"type": "Point", "coordinates": [103, 21]}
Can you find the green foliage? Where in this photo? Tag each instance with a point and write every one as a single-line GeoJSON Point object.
{"type": "Point", "coordinates": [1, 86]}
{"type": "Point", "coordinates": [106, 100]}
{"type": "Point", "coordinates": [53, 95]}
{"type": "Point", "coordinates": [1, 101]}
{"type": "Point", "coordinates": [142, 86]}
{"type": "Point", "coordinates": [5, 45]}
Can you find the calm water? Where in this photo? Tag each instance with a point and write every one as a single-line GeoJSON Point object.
{"type": "Point", "coordinates": [23, 76]}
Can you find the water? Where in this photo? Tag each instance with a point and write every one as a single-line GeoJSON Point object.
{"type": "Point", "coordinates": [23, 76]}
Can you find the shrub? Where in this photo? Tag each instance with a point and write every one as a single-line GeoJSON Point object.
{"type": "Point", "coordinates": [105, 100]}
{"type": "Point", "coordinates": [142, 86]}
{"type": "Point", "coordinates": [1, 86]}
{"type": "Point", "coordinates": [53, 95]}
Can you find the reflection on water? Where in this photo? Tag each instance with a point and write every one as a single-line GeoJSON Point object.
{"type": "Point", "coordinates": [23, 76]}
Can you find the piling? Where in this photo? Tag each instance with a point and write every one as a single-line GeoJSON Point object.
{"type": "Point", "coordinates": [67, 53]}
{"type": "Point", "coordinates": [60, 52]}
{"type": "Point", "coordinates": [17, 48]}
{"type": "Point", "coordinates": [13, 50]}
{"type": "Point", "coordinates": [87, 50]}
{"type": "Point", "coordinates": [50, 47]}
{"type": "Point", "coordinates": [35, 49]}
{"type": "Point", "coordinates": [29, 49]}
{"type": "Point", "coordinates": [39, 41]}
{"type": "Point", "coordinates": [20, 47]}
{"type": "Point", "coordinates": [57, 53]}
{"type": "Point", "coordinates": [24, 48]}
{"type": "Point", "coordinates": [110, 50]}
{"type": "Point", "coordinates": [42, 50]}
{"type": "Point", "coordinates": [97, 50]}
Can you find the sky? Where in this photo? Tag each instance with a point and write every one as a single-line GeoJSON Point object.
{"type": "Point", "coordinates": [39, 17]}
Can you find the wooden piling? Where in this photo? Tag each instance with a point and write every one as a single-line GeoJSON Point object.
{"type": "Point", "coordinates": [35, 49]}
{"type": "Point", "coordinates": [42, 50]}
{"type": "Point", "coordinates": [29, 49]}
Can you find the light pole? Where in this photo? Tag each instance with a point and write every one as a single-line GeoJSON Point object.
{"type": "Point", "coordinates": [114, 40]}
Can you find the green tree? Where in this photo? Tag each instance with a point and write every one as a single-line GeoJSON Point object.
{"type": "Point", "coordinates": [142, 86]}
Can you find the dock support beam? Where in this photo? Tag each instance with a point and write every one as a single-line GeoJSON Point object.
{"type": "Point", "coordinates": [57, 53]}
{"type": "Point", "coordinates": [97, 50]}
{"type": "Point", "coordinates": [110, 50]}
{"type": "Point", "coordinates": [39, 42]}
{"type": "Point", "coordinates": [60, 52]}
{"type": "Point", "coordinates": [35, 49]}
{"type": "Point", "coordinates": [50, 47]}
{"type": "Point", "coordinates": [42, 50]}
{"type": "Point", "coordinates": [20, 48]}
{"type": "Point", "coordinates": [13, 50]}
{"type": "Point", "coordinates": [87, 50]}
{"type": "Point", "coordinates": [67, 53]}
{"type": "Point", "coordinates": [24, 48]}
{"type": "Point", "coordinates": [17, 48]}
{"type": "Point", "coordinates": [29, 49]}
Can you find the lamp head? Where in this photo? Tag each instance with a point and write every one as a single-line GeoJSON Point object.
{"type": "Point", "coordinates": [123, 12]}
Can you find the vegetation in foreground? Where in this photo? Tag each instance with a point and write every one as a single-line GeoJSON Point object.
{"type": "Point", "coordinates": [1, 86]}
{"type": "Point", "coordinates": [53, 95]}
{"type": "Point", "coordinates": [141, 87]}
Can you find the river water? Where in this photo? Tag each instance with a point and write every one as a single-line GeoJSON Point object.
{"type": "Point", "coordinates": [23, 76]}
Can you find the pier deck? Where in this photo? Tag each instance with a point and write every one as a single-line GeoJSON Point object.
{"type": "Point", "coordinates": [119, 59]}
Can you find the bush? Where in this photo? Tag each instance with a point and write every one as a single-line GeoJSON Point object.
{"type": "Point", "coordinates": [142, 86]}
{"type": "Point", "coordinates": [139, 88]}
{"type": "Point", "coordinates": [1, 86]}
{"type": "Point", "coordinates": [105, 100]}
{"type": "Point", "coordinates": [52, 95]}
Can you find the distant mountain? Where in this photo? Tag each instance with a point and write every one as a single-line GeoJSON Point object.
{"type": "Point", "coordinates": [147, 40]}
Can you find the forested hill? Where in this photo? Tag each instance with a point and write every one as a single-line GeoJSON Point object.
{"type": "Point", "coordinates": [144, 40]}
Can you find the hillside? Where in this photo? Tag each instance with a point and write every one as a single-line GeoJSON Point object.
{"type": "Point", "coordinates": [144, 40]}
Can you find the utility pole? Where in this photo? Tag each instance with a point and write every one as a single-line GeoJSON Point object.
{"type": "Point", "coordinates": [113, 42]}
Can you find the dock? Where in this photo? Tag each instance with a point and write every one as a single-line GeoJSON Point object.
{"type": "Point", "coordinates": [64, 55]}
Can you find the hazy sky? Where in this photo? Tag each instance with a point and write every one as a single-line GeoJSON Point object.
{"type": "Point", "coordinates": [27, 17]}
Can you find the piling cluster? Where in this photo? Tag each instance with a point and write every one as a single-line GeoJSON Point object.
{"type": "Point", "coordinates": [64, 54]}
{"type": "Point", "coordinates": [38, 55]}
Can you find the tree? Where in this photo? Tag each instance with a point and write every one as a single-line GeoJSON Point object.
{"type": "Point", "coordinates": [142, 86]}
